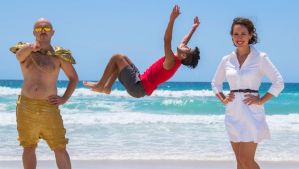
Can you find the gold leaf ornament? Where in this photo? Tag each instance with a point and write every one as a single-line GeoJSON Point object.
{"type": "Point", "coordinates": [59, 52]}
{"type": "Point", "coordinates": [63, 54]}
{"type": "Point", "coordinates": [18, 46]}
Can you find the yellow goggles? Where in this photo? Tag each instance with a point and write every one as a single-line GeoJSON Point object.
{"type": "Point", "coordinates": [45, 28]}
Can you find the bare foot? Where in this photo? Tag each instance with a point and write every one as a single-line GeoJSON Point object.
{"type": "Point", "coordinates": [107, 90]}
{"type": "Point", "coordinates": [94, 86]}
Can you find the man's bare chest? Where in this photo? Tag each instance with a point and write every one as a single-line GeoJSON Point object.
{"type": "Point", "coordinates": [41, 62]}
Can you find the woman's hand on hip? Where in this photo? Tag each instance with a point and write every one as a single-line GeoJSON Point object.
{"type": "Point", "coordinates": [252, 99]}
{"type": "Point", "coordinates": [229, 98]}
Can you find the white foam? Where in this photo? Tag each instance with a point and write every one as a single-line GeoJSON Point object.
{"type": "Point", "coordinates": [84, 92]}
{"type": "Point", "coordinates": [183, 93]}
{"type": "Point", "coordinates": [179, 102]}
{"type": "Point", "coordinates": [138, 118]}
{"type": "Point", "coordinates": [204, 140]}
{"type": "Point", "coordinates": [7, 118]}
{"type": "Point", "coordinates": [284, 122]}
{"type": "Point", "coordinates": [157, 93]}
{"type": "Point", "coordinates": [110, 106]}
{"type": "Point", "coordinates": [276, 122]}
{"type": "Point", "coordinates": [5, 91]}
{"type": "Point", "coordinates": [3, 107]}
{"type": "Point", "coordinates": [91, 118]}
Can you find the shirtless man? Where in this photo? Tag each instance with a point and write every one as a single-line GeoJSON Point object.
{"type": "Point", "coordinates": [38, 114]}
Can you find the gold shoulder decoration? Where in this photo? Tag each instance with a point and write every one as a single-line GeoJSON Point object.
{"type": "Point", "coordinates": [64, 54]}
{"type": "Point", "coordinates": [18, 46]}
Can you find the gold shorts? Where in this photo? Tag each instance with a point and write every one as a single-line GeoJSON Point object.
{"type": "Point", "coordinates": [38, 119]}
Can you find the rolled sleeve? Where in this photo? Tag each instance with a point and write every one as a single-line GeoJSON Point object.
{"type": "Point", "coordinates": [273, 74]}
{"type": "Point", "coordinates": [219, 77]}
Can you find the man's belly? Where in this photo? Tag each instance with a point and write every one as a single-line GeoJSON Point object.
{"type": "Point", "coordinates": [38, 90]}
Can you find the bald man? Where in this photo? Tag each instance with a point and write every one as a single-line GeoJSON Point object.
{"type": "Point", "coordinates": [38, 114]}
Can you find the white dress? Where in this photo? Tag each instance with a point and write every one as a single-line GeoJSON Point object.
{"type": "Point", "coordinates": [246, 123]}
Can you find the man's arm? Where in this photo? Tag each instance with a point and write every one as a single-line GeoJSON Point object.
{"type": "Point", "coordinates": [25, 51]}
{"type": "Point", "coordinates": [186, 38]}
{"type": "Point", "coordinates": [71, 74]}
{"type": "Point", "coordinates": [169, 56]}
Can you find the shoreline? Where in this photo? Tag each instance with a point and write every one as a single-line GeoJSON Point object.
{"type": "Point", "coordinates": [149, 164]}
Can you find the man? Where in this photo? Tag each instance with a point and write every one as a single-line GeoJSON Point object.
{"type": "Point", "coordinates": [38, 115]}
{"type": "Point", "coordinates": [139, 85]}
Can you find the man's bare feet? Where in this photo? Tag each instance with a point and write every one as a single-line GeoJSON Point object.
{"type": "Point", "coordinates": [94, 86]}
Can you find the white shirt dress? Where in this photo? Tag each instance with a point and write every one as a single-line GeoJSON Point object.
{"type": "Point", "coordinates": [246, 123]}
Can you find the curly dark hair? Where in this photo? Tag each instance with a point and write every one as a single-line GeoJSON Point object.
{"type": "Point", "coordinates": [249, 25]}
{"type": "Point", "coordinates": [192, 58]}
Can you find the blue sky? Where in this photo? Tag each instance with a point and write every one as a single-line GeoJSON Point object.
{"type": "Point", "coordinates": [94, 30]}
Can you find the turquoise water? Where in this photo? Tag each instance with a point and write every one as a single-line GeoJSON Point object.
{"type": "Point", "coordinates": [181, 120]}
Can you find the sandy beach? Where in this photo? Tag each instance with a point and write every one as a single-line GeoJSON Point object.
{"type": "Point", "coordinates": [149, 164]}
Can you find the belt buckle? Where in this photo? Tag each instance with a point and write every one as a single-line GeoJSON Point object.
{"type": "Point", "coordinates": [247, 91]}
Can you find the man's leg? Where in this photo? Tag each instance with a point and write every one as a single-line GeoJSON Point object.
{"type": "Point", "coordinates": [29, 158]}
{"type": "Point", "coordinates": [111, 80]}
{"type": "Point", "coordinates": [116, 64]}
{"type": "Point", "coordinates": [28, 131]}
{"type": "Point", "coordinates": [128, 60]}
{"type": "Point", "coordinates": [113, 77]}
{"type": "Point", "coordinates": [62, 159]}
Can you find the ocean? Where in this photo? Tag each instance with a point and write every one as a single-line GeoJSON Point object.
{"type": "Point", "coordinates": [181, 120]}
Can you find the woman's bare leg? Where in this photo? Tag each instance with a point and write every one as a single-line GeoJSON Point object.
{"type": "Point", "coordinates": [246, 155]}
{"type": "Point", "coordinates": [236, 149]}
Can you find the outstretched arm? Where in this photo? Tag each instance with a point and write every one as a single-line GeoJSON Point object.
{"type": "Point", "coordinates": [169, 56]}
{"type": "Point", "coordinates": [187, 37]}
{"type": "Point", "coordinates": [24, 52]}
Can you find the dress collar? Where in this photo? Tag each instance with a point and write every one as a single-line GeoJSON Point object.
{"type": "Point", "coordinates": [234, 54]}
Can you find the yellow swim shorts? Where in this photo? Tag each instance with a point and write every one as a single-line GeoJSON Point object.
{"type": "Point", "coordinates": [38, 119]}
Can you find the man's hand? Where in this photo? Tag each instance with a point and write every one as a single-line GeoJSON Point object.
{"type": "Point", "coordinates": [175, 12]}
{"type": "Point", "coordinates": [35, 46]}
{"type": "Point", "coordinates": [24, 52]}
{"type": "Point", "coordinates": [196, 22]}
{"type": "Point", "coordinates": [187, 37]}
{"type": "Point", "coordinates": [56, 100]}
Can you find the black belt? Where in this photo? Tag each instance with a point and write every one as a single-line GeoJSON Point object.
{"type": "Point", "coordinates": [245, 91]}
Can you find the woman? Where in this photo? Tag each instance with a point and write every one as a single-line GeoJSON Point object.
{"type": "Point", "coordinates": [243, 69]}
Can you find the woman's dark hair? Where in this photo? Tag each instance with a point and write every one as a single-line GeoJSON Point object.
{"type": "Point", "coordinates": [192, 58]}
{"type": "Point", "coordinates": [249, 25]}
